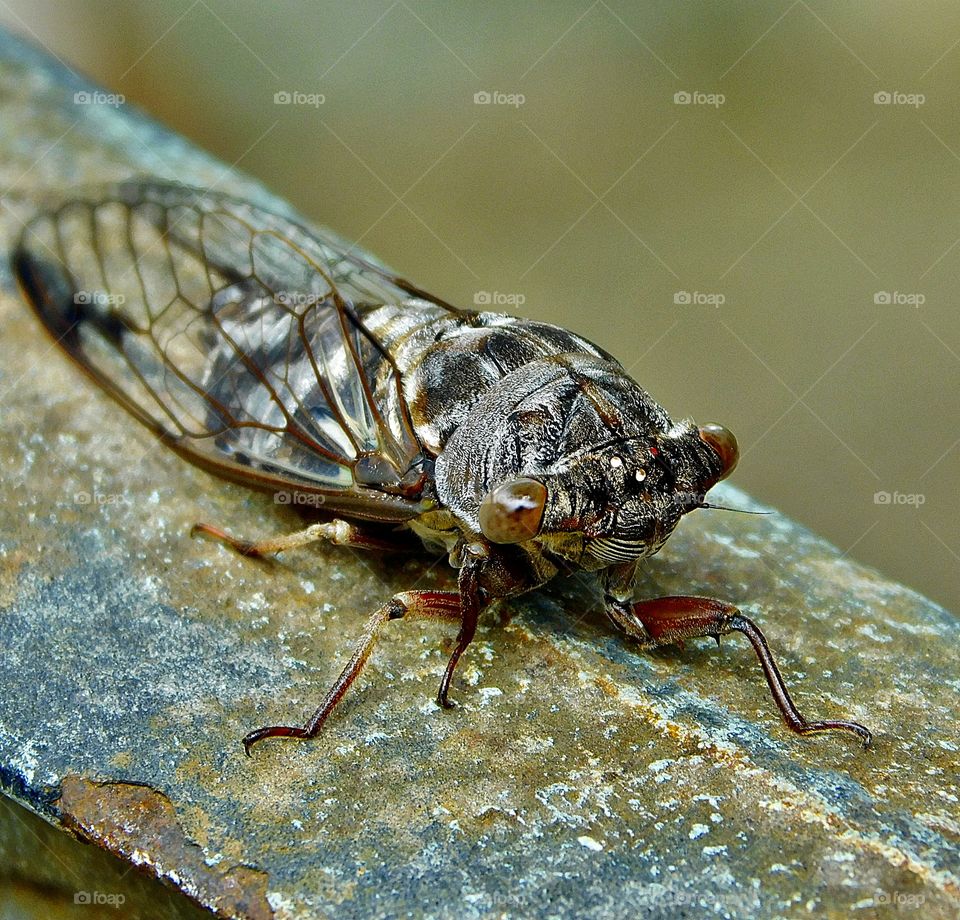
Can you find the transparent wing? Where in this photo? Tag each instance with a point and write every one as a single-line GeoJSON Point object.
{"type": "Point", "coordinates": [230, 332]}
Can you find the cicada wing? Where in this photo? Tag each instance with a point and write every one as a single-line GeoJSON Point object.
{"type": "Point", "coordinates": [226, 330]}
{"type": "Point", "coordinates": [358, 276]}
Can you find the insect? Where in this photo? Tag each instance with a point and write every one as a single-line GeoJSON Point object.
{"type": "Point", "coordinates": [271, 352]}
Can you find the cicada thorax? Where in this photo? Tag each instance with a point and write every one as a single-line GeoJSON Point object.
{"type": "Point", "coordinates": [494, 399]}
{"type": "Point", "coordinates": [571, 460]}
{"type": "Point", "coordinates": [450, 363]}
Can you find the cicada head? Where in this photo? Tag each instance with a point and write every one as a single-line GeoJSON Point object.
{"type": "Point", "coordinates": [577, 457]}
{"type": "Point", "coordinates": [626, 497]}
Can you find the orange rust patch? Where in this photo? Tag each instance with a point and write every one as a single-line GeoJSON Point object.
{"type": "Point", "coordinates": [10, 567]}
{"type": "Point", "coordinates": [140, 825]}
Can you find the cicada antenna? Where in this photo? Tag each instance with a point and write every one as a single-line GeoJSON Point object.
{"type": "Point", "coordinates": [710, 507]}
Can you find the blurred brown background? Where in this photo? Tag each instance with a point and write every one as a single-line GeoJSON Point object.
{"type": "Point", "coordinates": [755, 206]}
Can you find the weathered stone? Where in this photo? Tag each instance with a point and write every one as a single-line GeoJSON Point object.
{"type": "Point", "coordinates": [578, 777]}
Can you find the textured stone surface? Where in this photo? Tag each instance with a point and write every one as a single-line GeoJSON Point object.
{"type": "Point", "coordinates": [578, 777]}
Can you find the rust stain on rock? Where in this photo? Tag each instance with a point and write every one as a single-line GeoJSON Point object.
{"type": "Point", "coordinates": [139, 825]}
{"type": "Point", "coordinates": [10, 567]}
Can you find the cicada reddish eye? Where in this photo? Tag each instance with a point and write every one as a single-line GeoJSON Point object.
{"type": "Point", "coordinates": [725, 444]}
{"type": "Point", "coordinates": [513, 511]}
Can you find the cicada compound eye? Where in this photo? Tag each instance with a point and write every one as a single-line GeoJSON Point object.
{"type": "Point", "coordinates": [513, 511]}
{"type": "Point", "coordinates": [724, 444]}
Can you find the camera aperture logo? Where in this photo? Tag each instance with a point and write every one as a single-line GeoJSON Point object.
{"type": "Point", "coordinates": [295, 97]}
{"type": "Point", "coordinates": [495, 97]}
{"type": "Point", "coordinates": [713, 100]}
{"type": "Point", "coordinates": [912, 100]}
{"type": "Point", "coordinates": [698, 298]}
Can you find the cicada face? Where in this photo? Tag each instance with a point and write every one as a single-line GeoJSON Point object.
{"type": "Point", "coordinates": [640, 488]}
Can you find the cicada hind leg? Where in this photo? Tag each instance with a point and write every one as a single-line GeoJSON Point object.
{"type": "Point", "coordinates": [337, 532]}
{"type": "Point", "coordinates": [666, 620]}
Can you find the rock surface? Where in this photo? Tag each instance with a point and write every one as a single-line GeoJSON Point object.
{"type": "Point", "coordinates": [577, 777]}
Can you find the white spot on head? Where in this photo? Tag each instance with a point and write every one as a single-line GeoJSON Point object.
{"type": "Point", "coordinates": [616, 462]}
{"type": "Point", "coordinates": [640, 475]}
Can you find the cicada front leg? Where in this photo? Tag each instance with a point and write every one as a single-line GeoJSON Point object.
{"type": "Point", "coordinates": [666, 620]}
{"type": "Point", "coordinates": [462, 605]}
{"type": "Point", "coordinates": [337, 532]}
{"type": "Point", "coordinates": [429, 605]}
{"type": "Point", "coordinates": [469, 615]}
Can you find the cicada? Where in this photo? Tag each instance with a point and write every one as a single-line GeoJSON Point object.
{"type": "Point", "coordinates": [269, 351]}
